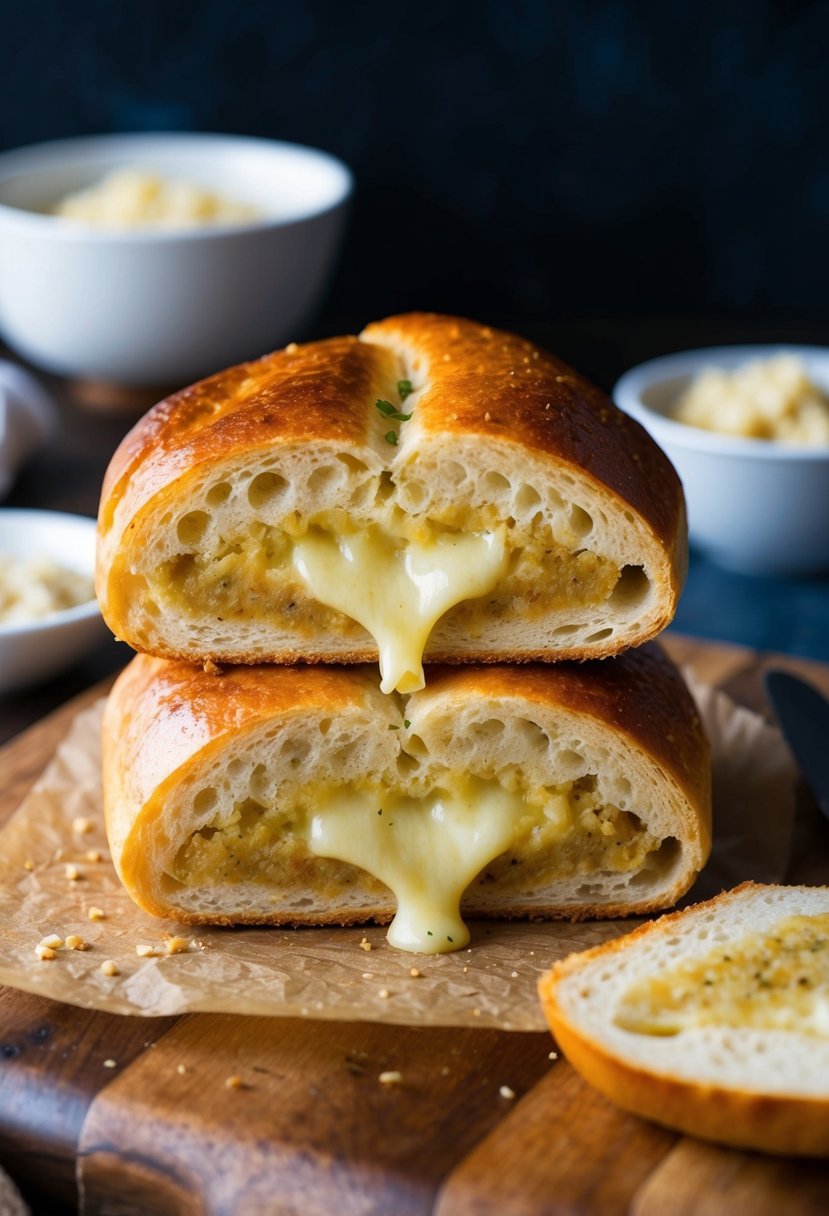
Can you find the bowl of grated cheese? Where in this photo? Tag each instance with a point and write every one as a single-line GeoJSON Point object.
{"type": "Point", "coordinates": [747, 428]}
{"type": "Point", "coordinates": [49, 617]}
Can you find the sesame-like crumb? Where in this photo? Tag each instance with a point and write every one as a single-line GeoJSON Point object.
{"type": "Point", "coordinates": [145, 950]}
{"type": "Point", "coordinates": [383, 994]}
{"type": "Point", "coordinates": [109, 967]}
{"type": "Point", "coordinates": [514, 975]}
{"type": "Point", "coordinates": [414, 973]}
{"type": "Point", "coordinates": [234, 1082]}
{"type": "Point", "coordinates": [93, 855]}
{"type": "Point", "coordinates": [553, 1055]}
{"type": "Point", "coordinates": [81, 825]}
{"type": "Point", "coordinates": [95, 913]}
{"type": "Point", "coordinates": [176, 945]}
{"type": "Point", "coordinates": [45, 953]}
{"type": "Point", "coordinates": [506, 1092]}
{"type": "Point", "coordinates": [392, 1077]}
{"type": "Point", "coordinates": [75, 942]}
{"type": "Point", "coordinates": [110, 1063]}
{"type": "Point", "coordinates": [28, 864]}
{"type": "Point", "coordinates": [72, 872]}
{"type": "Point", "coordinates": [52, 941]}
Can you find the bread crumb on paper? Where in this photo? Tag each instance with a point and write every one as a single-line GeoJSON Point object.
{"type": "Point", "coordinates": [109, 967]}
{"type": "Point", "coordinates": [75, 942]}
{"type": "Point", "coordinates": [96, 913]}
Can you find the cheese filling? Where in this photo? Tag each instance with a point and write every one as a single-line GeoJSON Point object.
{"type": "Point", "coordinates": [777, 980]}
{"type": "Point", "coordinates": [358, 844]}
{"type": "Point", "coordinates": [398, 590]}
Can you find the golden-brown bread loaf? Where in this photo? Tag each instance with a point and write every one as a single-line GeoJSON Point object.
{"type": "Point", "coordinates": [713, 1020]}
{"type": "Point", "coordinates": [303, 795]}
{"type": "Point", "coordinates": [283, 510]}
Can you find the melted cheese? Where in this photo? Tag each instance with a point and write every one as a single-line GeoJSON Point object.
{"type": "Point", "coordinates": [398, 589]}
{"type": "Point", "coordinates": [426, 850]}
{"type": "Point", "coordinates": [772, 981]}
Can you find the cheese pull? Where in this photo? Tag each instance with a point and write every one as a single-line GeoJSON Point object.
{"type": "Point", "coordinates": [398, 590]}
{"type": "Point", "coordinates": [304, 795]}
{"type": "Point", "coordinates": [430, 490]}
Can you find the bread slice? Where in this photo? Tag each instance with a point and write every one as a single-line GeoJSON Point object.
{"type": "Point", "coordinates": [283, 510]}
{"type": "Point", "coordinates": [305, 796]}
{"type": "Point", "coordinates": [713, 1021]}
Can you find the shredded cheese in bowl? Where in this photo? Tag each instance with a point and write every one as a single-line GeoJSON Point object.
{"type": "Point", "coordinates": [763, 399]}
{"type": "Point", "coordinates": [32, 588]}
{"type": "Point", "coordinates": [132, 198]}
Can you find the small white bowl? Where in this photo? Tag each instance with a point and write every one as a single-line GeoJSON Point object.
{"type": "Point", "coordinates": [755, 506]}
{"type": "Point", "coordinates": [156, 307]}
{"type": "Point", "coordinates": [35, 650]}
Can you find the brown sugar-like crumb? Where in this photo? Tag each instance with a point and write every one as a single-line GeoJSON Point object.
{"type": "Point", "coordinates": [392, 1077]}
{"type": "Point", "coordinates": [72, 872]}
{"type": "Point", "coordinates": [96, 913]}
{"type": "Point", "coordinates": [75, 942]}
{"type": "Point", "coordinates": [176, 945]}
{"type": "Point", "coordinates": [109, 967]}
{"type": "Point", "coordinates": [234, 1082]}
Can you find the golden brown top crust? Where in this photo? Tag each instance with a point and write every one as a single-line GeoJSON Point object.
{"type": "Point", "coordinates": [480, 382]}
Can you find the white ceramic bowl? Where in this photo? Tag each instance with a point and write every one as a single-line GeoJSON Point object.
{"type": "Point", "coordinates": [754, 506]}
{"type": "Point", "coordinates": [34, 651]}
{"type": "Point", "coordinates": [164, 308]}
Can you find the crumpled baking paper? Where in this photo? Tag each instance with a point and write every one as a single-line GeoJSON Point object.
{"type": "Point", "coordinates": [50, 877]}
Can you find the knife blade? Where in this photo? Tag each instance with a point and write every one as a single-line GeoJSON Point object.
{"type": "Point", "coordinates": [803, 714]}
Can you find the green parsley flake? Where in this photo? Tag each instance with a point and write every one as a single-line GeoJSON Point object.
{"type": "Point", "coordinates": [404, 387]}
{"type": "Point", "coordinates": [390, 411]}
{"type": "Point", "coordinates": [391, 437]}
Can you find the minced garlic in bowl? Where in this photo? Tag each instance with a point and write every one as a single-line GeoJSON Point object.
{"type": "Point", "coordinates": [32, 588]}
{"type": "Point", "coordinates": [762, 399]}
{"type": "Point", "coordinates": [134, 198]}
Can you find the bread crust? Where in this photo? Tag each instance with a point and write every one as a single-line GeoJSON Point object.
{"type": "Point", "coordinates": [165, 721]}
{"type": "Point", "coordinates": [481, 387]}
{"type": "Point", "coordinates": [741, 1117]}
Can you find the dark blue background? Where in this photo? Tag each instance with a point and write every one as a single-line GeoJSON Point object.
{"type": "Point", "coordinates": [514, 160]}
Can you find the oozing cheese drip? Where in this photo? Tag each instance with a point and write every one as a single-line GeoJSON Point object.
{"type": "Point", "coordinates": [773, 981]}
{"type": "Point", "coordinates": [427, 851]}
{"type": "Point", "coordinates": [398, 589]}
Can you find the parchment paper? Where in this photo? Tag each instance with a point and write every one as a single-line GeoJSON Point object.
{"type": "Point", "coordinates": [348, 974]}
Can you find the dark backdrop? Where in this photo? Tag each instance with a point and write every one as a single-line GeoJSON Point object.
{"type": "Point", "coordinates": [513, 160]}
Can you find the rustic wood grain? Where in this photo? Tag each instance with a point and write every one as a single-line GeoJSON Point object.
{"type": "Point", "coordinates": [703, 1180]}
{"type": "Point", "coordinates": [563, 1149]}
{"type": "Point", "coordinates": [312, 1130]}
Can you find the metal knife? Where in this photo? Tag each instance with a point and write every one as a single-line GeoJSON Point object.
{"type": "Point", "coordinates": [803, 714]}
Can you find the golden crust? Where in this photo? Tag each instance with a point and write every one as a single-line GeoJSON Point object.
{"type": "Point", "coordinates": [774, 1123]}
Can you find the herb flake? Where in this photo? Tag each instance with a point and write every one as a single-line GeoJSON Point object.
{"type": "Point", "coordinates": [390, 411]}
{"type": "Point", "coordinates": [404, 388]}
{"type": "Point", "coordinates": [391, 437]}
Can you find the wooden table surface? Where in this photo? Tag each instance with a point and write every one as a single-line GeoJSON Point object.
{"type": "Point", "coordinates": [135, 1115]}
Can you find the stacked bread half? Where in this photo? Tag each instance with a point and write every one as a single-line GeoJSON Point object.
{"type": "Point", "coordinates": [459, 508]}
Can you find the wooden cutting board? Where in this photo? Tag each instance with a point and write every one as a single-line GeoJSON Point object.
{"type": "Point", "coordinates": [139, 1116]}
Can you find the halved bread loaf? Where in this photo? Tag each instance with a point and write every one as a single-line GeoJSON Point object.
{"type": "Point", "coordinates": [305, 796]}
{"type": "Point", "coordinates": [432, 483]}
{"type": "Point", "coordinates": [714, 1020]}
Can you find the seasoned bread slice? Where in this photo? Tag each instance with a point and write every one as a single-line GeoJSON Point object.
{"type": "Point", "coordinates": [305, 796]}
{"type": "Point", "coordinates": [433, 483]}
{"type": "Point", "coordinates": [713, 1020]}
